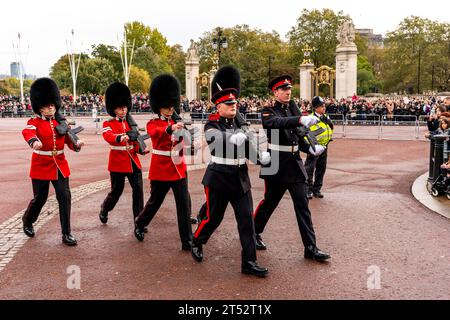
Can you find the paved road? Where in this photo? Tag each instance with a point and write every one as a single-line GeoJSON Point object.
{"type": "Point", "coordinates": [368, 218]}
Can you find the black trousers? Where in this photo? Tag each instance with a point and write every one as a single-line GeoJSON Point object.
{"type": "Point", "coordinates": [158, 193]}
{"type": "Point", "coordinates": [316, 168]}
{"type": "Point", "coordinates": [117, 186]}
{"type": "Point", "coordinates": [216, 205]}
{"type": "Point", "coordinates": [40, 192]}
{"type": "Point", "coordinates": [272, 197]}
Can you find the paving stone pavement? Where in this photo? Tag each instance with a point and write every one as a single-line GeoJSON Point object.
{"type": "Point", "coordinates": [12, 237]}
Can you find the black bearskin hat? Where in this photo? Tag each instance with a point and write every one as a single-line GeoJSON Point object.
{"type": "Point", "coordinates": [165, 92]}
{"type": "Point", "coordinates": [44, 91]}
{"type": "Point", "coordinates": [117, 95]}
{"type": "Point", "coordinates": [226, 84]}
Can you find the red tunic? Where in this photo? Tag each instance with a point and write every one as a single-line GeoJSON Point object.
{"type": "Point", "coordinates": [120, 160]}
{"type": "Point", "coordinates": [44, 167]}
{"type": "Point", "coordinates": [165, 168]}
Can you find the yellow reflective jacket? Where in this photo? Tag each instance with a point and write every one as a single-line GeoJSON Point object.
{"type": "Point", "coordinates": [324, 138]}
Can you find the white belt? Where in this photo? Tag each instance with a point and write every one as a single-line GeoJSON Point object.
{"type": "Point", "coordinates": [49, 153]}
{"type": "Point", "coordinates": [277, 147]}
{"type": "Point", "coordinates": [172, 153]}
{"type": "Point", "coordinates": [228, 162]}
{"type": "Point", "coordinates": [122, 148]}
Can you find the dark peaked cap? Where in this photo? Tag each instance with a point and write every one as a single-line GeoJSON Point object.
{"type": "Point", "coordinates": [280, 82]}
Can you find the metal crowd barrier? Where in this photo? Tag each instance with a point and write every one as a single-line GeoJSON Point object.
{"type": "Point", "coordinates": [359, 126]}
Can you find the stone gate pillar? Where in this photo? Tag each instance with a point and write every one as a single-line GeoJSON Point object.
{"type": "Point", "coordinates": [306, 81]}
{"type": "Point", "coordinates": [192, 72]}
{"type": "Point", "coordinates": [346, 62]}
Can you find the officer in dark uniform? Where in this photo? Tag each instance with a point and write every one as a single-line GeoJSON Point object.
{"type": "Point", "coordinates": [226, 179]}
{"type": "Point", "coordinates": [317, 165]}
{"type": "Point", "coordinates": [286, 172]}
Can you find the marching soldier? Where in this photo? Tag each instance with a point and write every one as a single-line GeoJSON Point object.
{"type": "Point", "coordinates": [168, 166]}
{"type": "Point", "coordinates": [48, 163]}
{"type": "Point", "coordinates": [226, 179]}
{"type": "Point", "coordinates": [123, 159]}
{"type": "Point", "coordinates": [316, 165]}
{"type": "Point", "coordinates": [281, 123]}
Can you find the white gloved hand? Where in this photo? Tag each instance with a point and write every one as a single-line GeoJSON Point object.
{"type": "Point", "coordinates": [319, 150]}
{"type": "Point", "coordinates": [265, 158]}
{"type": "Point", "coordinates": [238, 138]}
{"type": "Point", "coordinates": [309, 121]}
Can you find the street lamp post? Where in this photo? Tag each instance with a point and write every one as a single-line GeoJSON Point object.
{"type": "Point", "coordinates": [218, 43]}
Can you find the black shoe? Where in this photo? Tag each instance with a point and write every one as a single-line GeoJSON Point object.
{"type": "Point", "coordinates": [260, 245]}
{"type": "Point", "coordinates": [69, 240]}
{"type": "Point", "coordinates": [186, 246]}
{"type": "Point", "coordinates": [145, 230]}
{"type": "Point", "coordinates": [197, 252]}
{"type": "Point", "coordinates": [103, 217]}
{"type": "Point", "coordinates": [194, 220]}
{"type": "Point", "coordinates": [139, 233]}
{"type": "Point", "coordinates": [318, 195]}
{"type": "Point", "coordinates": [315, 253]}
{"type": "Point", "coordinates": [252, 268]}
{"type": "Point", "coordinates": [309, 195]}
{"type": "Point", "coordinates": [28, 230]}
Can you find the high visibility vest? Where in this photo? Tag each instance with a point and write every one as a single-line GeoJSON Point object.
{"type": "Point", "coordinates": [324, 138]}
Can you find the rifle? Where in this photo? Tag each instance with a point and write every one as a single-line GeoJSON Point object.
{"type": "Point", "coordinates": [135, 135]}
{"type": "Point", "coordinates": [193, 133]}
{"type": "Point", "coordinates": [311, 136]}
{"type": "Point", "coordinates": [64, 129]}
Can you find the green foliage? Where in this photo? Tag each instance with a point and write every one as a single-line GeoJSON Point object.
{"type": "Point", "coordinates": [94, 75]}
{"type": "Point", "coordinates": [111, 54]}
{"type": "Point", "coordinates": [318, 29]}
{"type": "Point", "coordinates": [248, 50]}
{"type": "Point", "coordinates": [3, 87]}
{"type": "Point", "coordinates": [145, 58]}
{"type": "Point", "coordinates": [138, 33]}
{"type": "Point", "coordinates": [262, 55]}
{"type": "Point", "coordinates": [177, 60]}
{"type": "Point", "coordinates": [139, 81]}
{"type": "Point", "coordinates": [413, 39]}
{"type": "Point", "coordinates": [11, 86]}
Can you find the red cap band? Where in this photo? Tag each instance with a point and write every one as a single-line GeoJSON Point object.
{"type": "Point", "coordinates": [278, 84]}
{"type": "Point", "coordinates": [225, 98]}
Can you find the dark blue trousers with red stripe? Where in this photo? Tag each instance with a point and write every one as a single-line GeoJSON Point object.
{"type": "Point", "coordinates": [216, 205]}
{"type": "Point", "coordinates": [274, 192]}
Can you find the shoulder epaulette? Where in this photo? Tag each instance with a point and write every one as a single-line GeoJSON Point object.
{"type": "Point", "coordinates": [214, 117]}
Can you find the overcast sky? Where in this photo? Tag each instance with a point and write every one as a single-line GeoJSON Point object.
{"type": "Point", "coordinates": [45, 25]}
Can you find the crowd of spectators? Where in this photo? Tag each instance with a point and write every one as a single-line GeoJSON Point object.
{"type": "Point", "coordinates": [359, 108]}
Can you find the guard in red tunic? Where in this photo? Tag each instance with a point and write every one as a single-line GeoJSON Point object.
{"type": "Point", "coordinates": [168, 166]}
{"type": "Point", "coordinates": [48, 162]}
{"type": "Point", "coordinates": [123, 159]}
